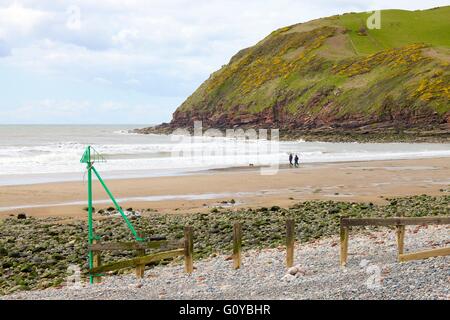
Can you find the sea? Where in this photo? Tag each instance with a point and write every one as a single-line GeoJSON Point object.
{"type": "Point", "coordinates": [32, 154]}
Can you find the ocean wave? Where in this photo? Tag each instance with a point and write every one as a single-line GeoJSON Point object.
{"type": "Point", "coordinates": [126, 132]}
{"type": "Point", "coordinates": [147, 152]}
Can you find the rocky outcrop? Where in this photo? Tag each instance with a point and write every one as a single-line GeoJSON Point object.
{"type": "Point", "coordinates": [311, 78]}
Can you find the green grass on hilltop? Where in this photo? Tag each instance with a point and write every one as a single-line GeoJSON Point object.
{"type": "Point", "coordinates": [399, 28]}
{"type": "Point", "coordinates": [334, 69]}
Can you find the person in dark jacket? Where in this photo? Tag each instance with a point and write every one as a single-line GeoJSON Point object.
{"type": "Point", "coordinates": [297, 161]}
{"type": "Point", "coordinates": [291, 158]}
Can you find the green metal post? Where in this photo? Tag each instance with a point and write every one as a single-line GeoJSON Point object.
{"type": "Point", "coordinates": [130, 226]}
{"type": "Point", "coordinates": [89, 157]}
{"type": "Point", "coordinates": [90, 223]}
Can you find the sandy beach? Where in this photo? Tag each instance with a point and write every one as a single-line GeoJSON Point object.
{"type": "Point", "coordinates": [369, 181]}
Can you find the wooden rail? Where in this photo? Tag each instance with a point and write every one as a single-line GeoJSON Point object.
{"type": "Point", "coordinates": [124, 246]}
{"type": "Point", "coordinates": [425, 254]}
{"type": "Point", "coordinates": [186, 246]}
{"type": "Point", "coordinates": [400, 223]}
{"type": "Point", "coordinates": [141, 260]}
{"type": "Point", "coordinates": [182, 247]}
{"type": "Point", "coordinates": [138, 261]}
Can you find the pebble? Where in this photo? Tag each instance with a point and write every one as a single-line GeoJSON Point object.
{"type": "Point", "coordinates": [293, 271]}
{"type": "Point", "coordinates": [372, 273]}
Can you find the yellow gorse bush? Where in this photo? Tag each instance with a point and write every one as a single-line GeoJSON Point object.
{"type": "Point", "coordinates": [392, 57]}
{"type": "Point", "coordinates": [436, 87]}
{"type": "Point", "coordinates": [264, 63]}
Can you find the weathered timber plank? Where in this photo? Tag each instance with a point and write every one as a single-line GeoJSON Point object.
{"type": "Point", "coordinates": [424, 254]}
{"type": "Point", "coordinates": [394, 221]}
{"type": "Point", "coordinates": [123, 246]}
{"type": "Point", "coordinates": [97, 262]}
{"type": "Point", "coordinates": [140, 269]}
{"type": "Point", "coordinates": [188, 250]}
{"type": "Point", "coordinates": [237, 245]}
{"type": "Point", "coordinates": [401, 239]}
{"type": "Point", "coordinates": [344, 244]}
{"type": "Point", "coordinates": [290, 241]}
{"type": "Point", "coordinates": [137, 261]}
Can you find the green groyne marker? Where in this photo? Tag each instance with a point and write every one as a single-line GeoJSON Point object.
{"type": "Point", "coordinates": [89, 157]}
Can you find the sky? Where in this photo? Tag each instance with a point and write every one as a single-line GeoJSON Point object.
{"type": "Point", "coordinates": [133, 61]}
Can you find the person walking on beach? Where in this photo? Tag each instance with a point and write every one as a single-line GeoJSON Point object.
{"type": "Point", "coordinates": [296, 161]}
{"type": "Point", "coordinates": [291, 158]}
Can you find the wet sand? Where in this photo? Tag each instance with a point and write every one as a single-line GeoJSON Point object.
{"type": "Point", "coordinates": [368, 181]}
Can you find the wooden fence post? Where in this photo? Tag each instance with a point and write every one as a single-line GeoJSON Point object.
{"type": "Point", "coordinates": [400, 237]}
{"type": "Point", "coordinates": [237, 245]}
{"type": "Point", "coordinates": [97, 262]}
{"type": "Point", "coordinates": [140, 269]}
{"type": "Point", "coordinates": [188, 250]}
{"type": "Point", "coordinates": [290, 240]}
{"type": "Point", "coordinates": [344, 243]}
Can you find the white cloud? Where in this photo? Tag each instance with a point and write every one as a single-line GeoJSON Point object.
{"type": "Point", "coordinates": [103, 81]}
{"type": "Point", "coordinates": [112, 106]}
{"type": "Point", "coordinates": [50, 108]}
{"type": "Point", "coordinates": [133, 82]}
{"type": "Point", "coordinates": [4, 49]}
{"type": "Point", "coordinates": [154, 47]}
{"type": "Point", "coordinates": [73, 18]}
{"type": "Point", "coordinates": [65, 57]}
{"type": "Point", "coordinates": [16, 18]}
{"type": "Point", "coordinates": [125, 36]}
{"type": "Point", "coordinates": [155, 34]}
{"type": "Point", "coordinates": [85, 111]}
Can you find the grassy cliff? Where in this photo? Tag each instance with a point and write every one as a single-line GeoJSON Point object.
{"type": "Point", "coordinates": [333, 75]}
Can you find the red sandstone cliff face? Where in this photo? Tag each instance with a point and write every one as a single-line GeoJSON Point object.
{"type": "Point", "coordinates": [278, 117]}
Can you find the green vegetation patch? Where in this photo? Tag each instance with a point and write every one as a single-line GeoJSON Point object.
{"type": "Point", "coordinates": [35, 253]}
{"type": "Point", "coordinates": [399, 28]}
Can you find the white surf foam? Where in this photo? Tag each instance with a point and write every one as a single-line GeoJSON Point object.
{"type": "Point", "coordinates": [46, 152]}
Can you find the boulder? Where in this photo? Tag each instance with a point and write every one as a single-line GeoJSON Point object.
{"type": "Point", "coordinates": [293, 271]}
{"type": "Point", "coordinates": [296, 271]}
{"type": "Point", "coordinates": [21, 216]}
